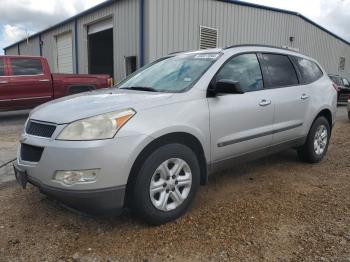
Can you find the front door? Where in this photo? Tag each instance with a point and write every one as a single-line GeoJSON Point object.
{"type": "Point", "coordinates": [241, 123]}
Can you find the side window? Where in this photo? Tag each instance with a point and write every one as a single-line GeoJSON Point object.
{"type": "Point", "coordinates": [280, 71]}
{"type": "Point", "coordinates": [346, 82]}
{"type": "Point", "coordinates": [244, 69]}
{"type": "Point", "coordinates": [310, 72]}
{"type": "Point", "coordinates": [25, 66]}
{"type": "Point", "coordinates": [2, 67]}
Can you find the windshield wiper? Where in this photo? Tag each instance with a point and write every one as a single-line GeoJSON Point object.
{"type": "Point", "coordinates": [140, 88]}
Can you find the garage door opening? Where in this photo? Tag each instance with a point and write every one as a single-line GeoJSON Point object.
{"type": "Point", "coordinates": [100, 42]}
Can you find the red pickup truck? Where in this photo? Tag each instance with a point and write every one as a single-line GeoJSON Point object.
{"type": "Point", "coordinates": [26, 81]}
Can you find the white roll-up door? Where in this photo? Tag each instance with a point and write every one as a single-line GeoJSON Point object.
{"type": "Point", "coordinates": [100, 26]}
{"type": "Point", "coordinates": [64, 53]}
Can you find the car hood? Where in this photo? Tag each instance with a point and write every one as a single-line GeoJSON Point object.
{"type": "Point", "coordinates": [75, 107]}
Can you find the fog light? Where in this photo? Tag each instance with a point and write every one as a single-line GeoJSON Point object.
{"type": "Point", "coordinates": [76, 176]}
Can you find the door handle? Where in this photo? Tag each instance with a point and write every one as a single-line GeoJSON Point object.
{"type": "Point", "coordinates": [4, 82]}
{"type": "Point", "coordinates": [265, 102]}
{"type": "Point", "coordinates": [304, 96]}
{"type": "Point", "coordinates": [43, 80]}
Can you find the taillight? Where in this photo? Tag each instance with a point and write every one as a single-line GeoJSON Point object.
{"type": "Point", "coordinates": [335, 87]}
{"type": "Point", "coordinates": [110, 82]}
{"type": "Point", "coordinates": [349, 98]}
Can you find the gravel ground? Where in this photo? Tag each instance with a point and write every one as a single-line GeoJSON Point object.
{"type": "Point", "coordinates": [11, 125]}
{"type": "Point", "coordinates": [274, 209]}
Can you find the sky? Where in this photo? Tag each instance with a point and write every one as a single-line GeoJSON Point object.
{"type": "Point", "coordinates": [20, 18]}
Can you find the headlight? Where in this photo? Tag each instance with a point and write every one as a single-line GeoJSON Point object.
{"type": "Point", "coordinates": [98, 127]}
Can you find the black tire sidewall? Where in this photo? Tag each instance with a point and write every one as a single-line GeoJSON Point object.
{"type": "Point", "coordinates": [142, 203]}
{"type": "Point", "coordinates": [313, 157]}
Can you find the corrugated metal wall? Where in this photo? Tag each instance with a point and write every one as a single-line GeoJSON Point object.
{"type": "Point", "coordinates": [30, 47]}
{"type": "Point", "coordinates": [49, 47]}
{"type": "Point", "coordinates": [13, 50]}
{"type": "Point", "coordinates": [125, 29]}
{"type": "Point", "coordinates": [173, 25]}
{"type": "Point", "coordinates": [125, 14]}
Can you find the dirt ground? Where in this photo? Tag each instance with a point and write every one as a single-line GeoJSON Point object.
{"type": "Point", "coordinates": [274, 209]}
{"type": "Point", "coordinates": [11, 125]}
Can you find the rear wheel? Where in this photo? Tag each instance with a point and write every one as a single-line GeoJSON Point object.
{"type": "Point", "coordinates": [317, 142]}
{"type": "Point", "coordinates": [166, 184]}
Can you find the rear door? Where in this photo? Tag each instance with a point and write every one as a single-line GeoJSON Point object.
{"type": "Point", "coordinates": [290, 98]}
{"type": "Point", "coordinates": [5, 88]}
{"type": "Point", "coordinates": [241, 123]}
{"type": "Point", "coordinates": [30, 82]}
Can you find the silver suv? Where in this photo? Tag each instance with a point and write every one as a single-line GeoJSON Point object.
{"type": "Point", "coordinates": [152, 140]}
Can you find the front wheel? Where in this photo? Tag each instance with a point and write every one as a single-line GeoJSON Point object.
{"type": "Point", "coordinates": [166, 184]}
{"type": "Point", "coordinates": [317, 141]}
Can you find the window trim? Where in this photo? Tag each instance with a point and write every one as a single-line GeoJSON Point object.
{"type": "Point", "coordinates": [10, 71]}
{"type": "Point", "coordinates": [213, 80]}
{"type": "Point", "coordinates": [267, 70]}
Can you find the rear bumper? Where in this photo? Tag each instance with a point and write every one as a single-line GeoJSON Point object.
{"type": "Point", "coordinates": [100, 201]}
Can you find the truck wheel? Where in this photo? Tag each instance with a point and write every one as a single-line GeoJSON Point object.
{"type": "Point", "coordinates": [317, 142]}
{"type": "Point", "coordinates": [166, 184]}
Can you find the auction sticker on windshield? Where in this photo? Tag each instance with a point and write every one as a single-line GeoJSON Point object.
{"type": "Point", "coordinates": [207, 56]}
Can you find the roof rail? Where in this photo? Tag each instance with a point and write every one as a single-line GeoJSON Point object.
{"type": "Point", "coordinates": [261, 45]}
{"type": "Point", "coordinates": [176, 52]}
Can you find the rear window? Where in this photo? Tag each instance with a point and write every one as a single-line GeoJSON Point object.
{"type": "Point", "coordinates": [2, 67]}
{"type": "Point", "coordinates": [310, 72]}
{"type": "Point", "coordinates": [345, 82]}
{"type": "Point", "coordinates": [25, 66]}
{"type": "Point", "coordinates": [280, 71]}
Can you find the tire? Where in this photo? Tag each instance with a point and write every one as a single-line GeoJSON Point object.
{"type": "Point", "coordinates": [310, 152]}
{"type": "Point", "coordinates": [143, 202]}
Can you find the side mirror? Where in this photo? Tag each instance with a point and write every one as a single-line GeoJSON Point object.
{"type": "Point", "coordinates": [226, 86]}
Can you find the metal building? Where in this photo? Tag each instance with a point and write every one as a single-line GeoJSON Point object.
{"type": "Point", "coordinates": [118, 36]}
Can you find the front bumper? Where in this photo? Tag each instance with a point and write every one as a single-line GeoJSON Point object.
{"type": "Point", "coordinates": [113, 158]}
{"type": "Point", "coordinates": [100, 201]}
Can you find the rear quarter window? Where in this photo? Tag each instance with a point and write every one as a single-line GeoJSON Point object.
{"type": "Point", "coordinates": [345, 82]}
{"type": "Point", "coordinates": [310, 71]}
{"type": "Point", "coordinates": [26, 66]}
{"type": "Point", "coordinates": [2, 67]}
{"type": "Point", "coordinates": [280, 71]}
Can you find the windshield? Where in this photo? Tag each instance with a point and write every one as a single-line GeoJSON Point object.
{"type": "Point", "coordinates": [172, 74]}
